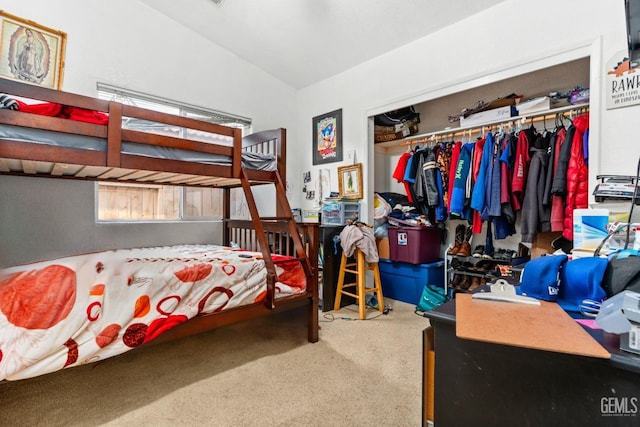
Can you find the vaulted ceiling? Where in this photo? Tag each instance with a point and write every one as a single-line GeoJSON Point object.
{"type": "Point", "coordinates": [302, 42]}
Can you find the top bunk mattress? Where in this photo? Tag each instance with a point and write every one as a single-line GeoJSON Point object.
{"type": "Point", "coordinates": [80, 309]}
{"type": "Point", "coordinates": [250, 160]}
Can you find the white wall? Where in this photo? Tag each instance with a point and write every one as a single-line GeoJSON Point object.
{"type": "Point", "coordinates": [512, 38]}
{"type": "Point", "coordinates": [127, 44]}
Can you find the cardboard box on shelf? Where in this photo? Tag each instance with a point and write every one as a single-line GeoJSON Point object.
{"type": "Point", "coordinates": [542, 243]}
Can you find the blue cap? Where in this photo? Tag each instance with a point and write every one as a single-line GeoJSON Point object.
{"type": "Point", "coordinates": [541, 276]}
{"type": "Point", "coordinates": [580, 280]}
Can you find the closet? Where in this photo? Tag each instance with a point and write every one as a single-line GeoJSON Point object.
{"type": "Point", "coordinates": [434, 112]}
{"type": "Point", "coordinates": [435, 126]}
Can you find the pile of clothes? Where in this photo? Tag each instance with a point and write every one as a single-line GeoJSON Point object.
{"type": "Point", "coordinates": [396, 124]}
{"type": "Point", "coordinates": [394, 209]}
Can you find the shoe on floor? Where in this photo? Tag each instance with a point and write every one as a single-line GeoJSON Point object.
{"type": "Point", "coordinates": [478, 251]}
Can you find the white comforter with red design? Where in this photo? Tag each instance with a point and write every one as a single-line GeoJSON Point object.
{"type": "Point", "coordinates": [80, 309]}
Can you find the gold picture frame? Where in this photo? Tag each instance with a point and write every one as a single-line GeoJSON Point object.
{"type": "Point", "coordinates": [30, 52]}
{"type": "Point", "coordinates": [350, 181]}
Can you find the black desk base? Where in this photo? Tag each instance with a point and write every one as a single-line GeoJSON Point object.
{"type": "Point", "coordinates": [484, 384]}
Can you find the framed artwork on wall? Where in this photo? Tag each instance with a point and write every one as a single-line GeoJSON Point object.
{"type": "Point", "coordinates": [30, 52]}
{"type": "Point", "coordinates": [327, 138]}
{"type": "Point", "coordinates": [350, 181]}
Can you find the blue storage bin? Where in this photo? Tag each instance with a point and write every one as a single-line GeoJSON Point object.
{"type": "Point", "coordinates": [402, 281]}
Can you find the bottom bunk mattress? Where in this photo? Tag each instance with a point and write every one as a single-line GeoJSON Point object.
{"type": "Point", "coordinates": [81, 309]}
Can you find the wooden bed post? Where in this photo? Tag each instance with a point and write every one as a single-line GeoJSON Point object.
{"type": "Point", "coordinates": [236, 165]}
{"type": "Point", "coordinates": [281, 156]}
{"type": "Point", "coordinates": [114, 134]}
{"type": "Point", "coordinates": [226, 213]}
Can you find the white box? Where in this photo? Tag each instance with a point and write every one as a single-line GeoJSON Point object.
{"type": "Point", "coordinates": [488, 116]}
{"type": "Point", "coordinates": [534, 105]}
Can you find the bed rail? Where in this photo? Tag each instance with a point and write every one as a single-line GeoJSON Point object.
{"type": "Point", "coordinates": [278, 236]}
{"type": "Point", "coordinates": [111, 162]}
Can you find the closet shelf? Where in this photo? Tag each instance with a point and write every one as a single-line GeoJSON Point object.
{"type": "Point", "coordinates": [391, 146]}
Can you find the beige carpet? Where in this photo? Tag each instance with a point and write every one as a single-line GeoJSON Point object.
{"type": "Point", "coordinates": [257, 373]}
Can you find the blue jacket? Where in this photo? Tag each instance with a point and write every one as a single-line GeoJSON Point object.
{"type": "Point", "coordinates": [479, 188]}
{"type": "Point", "coordinates": [457, 206]}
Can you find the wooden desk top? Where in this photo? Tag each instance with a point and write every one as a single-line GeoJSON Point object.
{"type": "Point", "coordinates": [545, 327]}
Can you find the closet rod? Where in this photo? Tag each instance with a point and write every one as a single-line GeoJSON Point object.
{"type": "Point", "coordinates": [463, 130]}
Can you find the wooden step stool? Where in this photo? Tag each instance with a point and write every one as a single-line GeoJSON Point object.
{"type": "Point", "coordinates": [361, 267]}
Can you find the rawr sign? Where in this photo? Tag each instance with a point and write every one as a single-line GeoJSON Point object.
{"type": "Point", "coordinates": [623, 83]}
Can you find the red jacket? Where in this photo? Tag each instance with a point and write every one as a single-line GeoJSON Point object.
{"type": "Point", "coordinates": [577, 176]}
{"type": "Point", "coordinates": [521, 168]}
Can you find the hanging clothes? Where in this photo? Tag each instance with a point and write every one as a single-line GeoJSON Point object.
{"type": "Point", "coordinates": [419, 187]}
{"type": "Point", "coordinates": [535, 214]}
{"type": "Point", "coordinates": [400, 170]}
{"type": "Point", "coordinates": [459, 208]}
{"type": "Point", "coordinates": [410, 174]}
{"type": "Point", "coordinates": [492, 206]}
{"type": "Point", "coordinates": [521, 166]}
{"type": "Point", "coordinates": [555, 202]}
{"type": "Point", "coordinates": [478, 201]}
{"type": "Point", "coordinates": [506, 175]}
{"type": "Point", "coordinates": [426, 179]}
{"type": "Point", "coordinates": [441, 213]}
{"type": "Point", "coordinates": [577, 176]}
{"type": "Point", "coordinates": [455, 156]}
{"type": "Point", "coordinates": [444, 164]}
{"type": "Point", "coordinates": [502, 226]}
{"type": "Point", "coordinates": [559, 184]}
{"type": "Point", "coordinates": [476, 221]}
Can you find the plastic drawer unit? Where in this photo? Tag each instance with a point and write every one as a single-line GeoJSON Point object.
{"type": "Point", "coordinates": [337, 213]}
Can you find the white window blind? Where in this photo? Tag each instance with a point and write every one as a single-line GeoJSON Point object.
{"type": "Point", "coordinates": [140, 202]}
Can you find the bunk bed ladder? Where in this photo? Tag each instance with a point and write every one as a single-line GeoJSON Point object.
{"type": "Point", "coordinates": [261, 236]}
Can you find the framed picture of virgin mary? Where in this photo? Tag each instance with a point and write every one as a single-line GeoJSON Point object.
{"type": "Point", "coordinates": [30, 52]}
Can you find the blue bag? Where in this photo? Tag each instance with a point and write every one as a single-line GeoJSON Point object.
{"type": "Point", "coordinates": [432, 297]}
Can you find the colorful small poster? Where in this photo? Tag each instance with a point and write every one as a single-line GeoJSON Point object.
{"type": "Point", "coordinates": [327, 138]}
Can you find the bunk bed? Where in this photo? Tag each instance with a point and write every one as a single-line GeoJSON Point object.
{"type": "Point", "coordinates": [70, 136]}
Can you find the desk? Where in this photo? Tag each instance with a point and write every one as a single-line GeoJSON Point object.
{"type": "Point", "coordinates": [479, 383]}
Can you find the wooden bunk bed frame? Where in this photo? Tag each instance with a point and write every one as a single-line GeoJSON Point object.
{"type": "Point", "coordinates": [277, 235]}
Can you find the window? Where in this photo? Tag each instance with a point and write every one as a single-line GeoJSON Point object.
{"type": "Point", "coordinates": [140, 202]}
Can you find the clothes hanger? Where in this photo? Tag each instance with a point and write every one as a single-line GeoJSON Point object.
{"type": "Point", "coordinates": [570, 118]}
{"type": "Point", "coordinates": [544, 125]}
{"type": "Point", "coordinates": [558, 122]}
